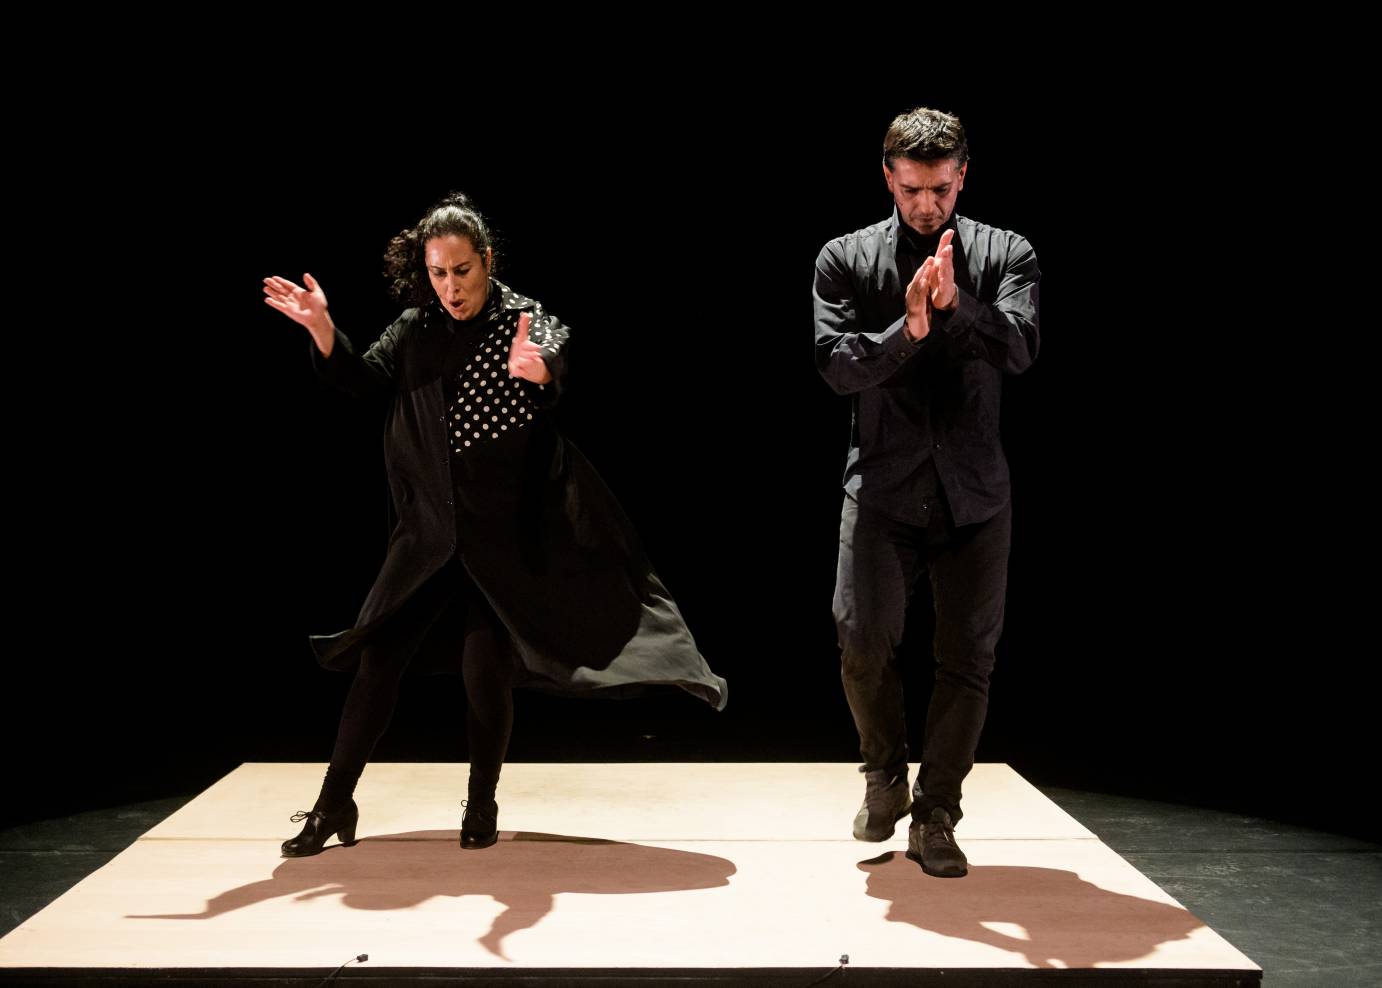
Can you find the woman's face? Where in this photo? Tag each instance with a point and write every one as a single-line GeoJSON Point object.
{"type": "Point", "coordinates": [460, 276]}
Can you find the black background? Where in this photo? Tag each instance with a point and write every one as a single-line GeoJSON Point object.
{"type": "Point", "coordinates": [1188, 592]}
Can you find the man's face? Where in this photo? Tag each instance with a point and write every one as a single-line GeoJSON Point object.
{"type": "Point", "coordinates": [459, 275]}
{"type": "Point", "coordinates": [925, 191]}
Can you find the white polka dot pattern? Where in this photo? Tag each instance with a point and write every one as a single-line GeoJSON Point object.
{"type": "Point", "coordinates": [503, 396]}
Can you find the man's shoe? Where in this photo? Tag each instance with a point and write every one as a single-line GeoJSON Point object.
{"type": "Point", "coordinates": [933, 846]}
{"type": "Point", "coordinates": [479, 823]}
{"type": "Point", "coordinates": [319, 827]}
{"type": "Point", "coordinates": [886, 800]}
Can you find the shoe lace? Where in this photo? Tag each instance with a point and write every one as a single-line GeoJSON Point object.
{"type": "Point", "coordinates": [938, 833]}
{"type": "Point", "coordinates": [483, 809]}
{"type": "Point", "coordinates": [299, 816]}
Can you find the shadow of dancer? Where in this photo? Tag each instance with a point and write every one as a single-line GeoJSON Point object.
{"type": "Point", "coordinates": [1057, 919]}
{"type": "Point", "coordinates": [522, 874]}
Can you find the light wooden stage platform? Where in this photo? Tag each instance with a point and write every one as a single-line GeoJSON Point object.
{"type": "Point", "coordinates": [615, 873]}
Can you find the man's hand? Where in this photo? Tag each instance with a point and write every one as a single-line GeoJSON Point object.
{"type": "Point", "coordinates": [919, 290]}
{"type": "Point", "coordinates": [944, 295]}
{"type": "Point", "coordinates": [525, 356]}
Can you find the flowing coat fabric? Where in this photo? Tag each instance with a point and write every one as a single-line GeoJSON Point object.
{"type": "Point", "coordinates": [534, 526]}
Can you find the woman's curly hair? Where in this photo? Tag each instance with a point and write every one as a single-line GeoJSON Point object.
{"type": "Point", "coordinates": [405, 262]}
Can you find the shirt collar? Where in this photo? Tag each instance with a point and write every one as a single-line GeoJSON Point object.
{"type": "Point", "coordinates": [903, 237]}
{"type": "Point", "coordinates": [507, 298]}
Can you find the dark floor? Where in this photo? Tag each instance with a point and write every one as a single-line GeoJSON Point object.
{"type": "Point", "coordinates": [1305, 905]}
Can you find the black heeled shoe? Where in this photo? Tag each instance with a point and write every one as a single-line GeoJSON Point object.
{"type": "Point", "coordinates": [479, 824]}
{"type": "Point", "coordinates": [319, 827]}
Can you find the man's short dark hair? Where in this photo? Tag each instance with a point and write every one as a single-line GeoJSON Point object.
{"type": "Point", "coordinates": [925, 135]}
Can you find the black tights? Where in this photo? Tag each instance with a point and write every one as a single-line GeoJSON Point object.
{"type": "Point", "coordinates": [485, 667]}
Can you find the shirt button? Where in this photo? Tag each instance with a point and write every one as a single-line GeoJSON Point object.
{"type": "Point", "coordinates": [938, 445]}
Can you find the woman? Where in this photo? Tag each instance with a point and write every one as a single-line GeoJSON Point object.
{"type": "Point", "coordinates": [511, 562]}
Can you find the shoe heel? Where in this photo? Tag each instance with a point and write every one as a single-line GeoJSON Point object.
{"type": "Point", "coordinates": [347, 831]}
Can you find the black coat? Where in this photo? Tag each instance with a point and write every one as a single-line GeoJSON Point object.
{"type": "Point", "coordinates": [535, 527]}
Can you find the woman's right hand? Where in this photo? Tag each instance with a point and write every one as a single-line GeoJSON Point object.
{"type": "Point", "coordinates": [306, 306]}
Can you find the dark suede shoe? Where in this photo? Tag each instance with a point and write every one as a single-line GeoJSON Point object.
{"type": "Point", "coordinates": [933, 846]}
{"type": "Point", "coordinates": [479, 823]}
{"type": "Point", "coordinates": [886, 800]}
{"type": "Point", "coordinates": [319, 828]}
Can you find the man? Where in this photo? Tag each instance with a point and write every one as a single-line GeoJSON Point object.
{"type": "Point", "coordinates": [917, 318]}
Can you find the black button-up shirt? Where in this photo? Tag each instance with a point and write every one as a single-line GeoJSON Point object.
{"type": "Point", "coordinates": [928, 411]}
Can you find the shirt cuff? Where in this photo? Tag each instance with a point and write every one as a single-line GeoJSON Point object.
{"type": "Point", "coordinates": [959, 320]}
{"type": "Point", "coordinates": [322, 364]}
{"type": "Point", "coordinates": [897, 343]}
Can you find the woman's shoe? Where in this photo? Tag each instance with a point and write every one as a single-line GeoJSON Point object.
{"type": "Point", "coordinates": [479, 824]}
{"type": "Point", "coordinates": [319, 827]}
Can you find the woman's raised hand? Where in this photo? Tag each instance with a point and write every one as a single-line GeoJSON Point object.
{"type": "Point", "coordinates": [306, 306]}
{"type": "Point", "coordinates": [525, 356]}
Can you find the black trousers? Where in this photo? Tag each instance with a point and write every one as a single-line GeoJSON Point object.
{"type": "Point", "coordinates": [448, 603]}
{"type": "Point", "coordinates": [880, 561]}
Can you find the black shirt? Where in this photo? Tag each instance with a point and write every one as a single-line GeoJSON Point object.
{"type": "Point", "coordinates": [925, 412]}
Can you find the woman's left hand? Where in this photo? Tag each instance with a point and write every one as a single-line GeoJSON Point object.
{"type": "Point", "coordinates": [525, 356]}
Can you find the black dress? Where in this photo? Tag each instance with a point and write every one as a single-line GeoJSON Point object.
{"type": "Point", "coordinates": [482, 480]}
